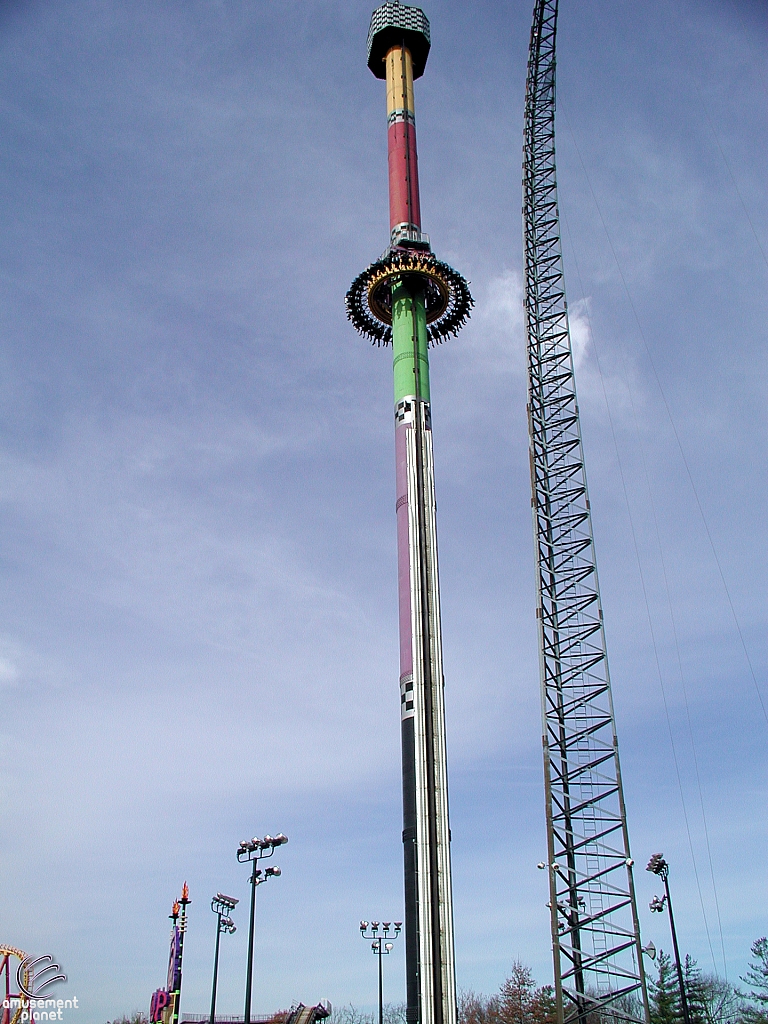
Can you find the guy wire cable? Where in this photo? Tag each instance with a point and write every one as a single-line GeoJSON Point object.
{"type": "Point", "coordinates": [677, 437]}
{"type": "Point", "coordinates": [645, 594]}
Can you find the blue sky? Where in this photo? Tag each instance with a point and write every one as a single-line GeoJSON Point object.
{"type": "Point", "coordinates": [198, 638]}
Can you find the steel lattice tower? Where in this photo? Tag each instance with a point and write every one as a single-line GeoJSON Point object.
{"type": "Point", "coordinates": [595, 931]}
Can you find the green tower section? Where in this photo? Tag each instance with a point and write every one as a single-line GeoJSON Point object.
{"type": "Point", "coordinates": [410, 360]}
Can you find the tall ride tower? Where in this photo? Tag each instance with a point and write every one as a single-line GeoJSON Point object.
{"type": "Point", "coordinates": [410, 299]}
{"type": "Point", "coordinates": [595, 930]}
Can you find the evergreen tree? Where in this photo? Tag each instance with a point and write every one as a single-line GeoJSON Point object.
{"type": "Point", "coordinates": [694, 991]}
{"type": "Point", "coordinates": [757, 978]}
{"type": "Point", "coordinates": [544, 1006]}
{"type": "Point", "coordinates": [664, 993]}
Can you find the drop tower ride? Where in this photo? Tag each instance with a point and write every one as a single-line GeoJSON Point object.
{"type": "Point", "coordinates": [410, 299]}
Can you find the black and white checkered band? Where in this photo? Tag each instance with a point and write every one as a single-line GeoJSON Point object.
{"type": "Point", "coordinates": [406, 695]}
{"type": "Point", "coordinates": [401, 115]}
{"type": "Point", "coordinates": [405, 412]}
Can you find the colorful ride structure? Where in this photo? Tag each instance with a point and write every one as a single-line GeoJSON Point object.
{"type": "Point", "coordinates": [164, 1006]}
{"type": "Point", "coordinates": [411, 300]}
{"type": "Point", "coordinates": [15, 1004]}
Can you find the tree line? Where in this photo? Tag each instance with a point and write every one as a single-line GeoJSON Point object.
{"type": "Point", "coordinates": [711, 999]}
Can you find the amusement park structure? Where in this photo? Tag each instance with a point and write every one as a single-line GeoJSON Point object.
{"type": "Point", "coordinates": [164, 1007]}
{"type": "Point", "coordinates": [15, 1004]}
{"type": "Point", "coordinates": [31, 976]}
{"type": "Point", "coordinates": [410, 299]}
{"type": "Point", "coordinates": [595, 932]}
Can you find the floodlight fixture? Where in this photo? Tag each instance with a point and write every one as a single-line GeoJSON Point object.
{"type": "Point", "coordinates": [230, 902]}
{"type": "Point", "coordinates": [380, 947]}
{"type": "Point", "coordinates": [658, 866]}
{"type": "Point", "coordinates": [222, 906]}
{"type": "Point", "coordinates": [256, 850]}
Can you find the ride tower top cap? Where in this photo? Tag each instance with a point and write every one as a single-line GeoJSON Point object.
{"type": "Point", "coordinates": [392, 24]}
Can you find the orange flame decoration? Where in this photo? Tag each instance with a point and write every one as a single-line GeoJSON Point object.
{"type": "Point", "coordinates": [185, 893]}
{"type": "Point", "coordinates": [176, 909]}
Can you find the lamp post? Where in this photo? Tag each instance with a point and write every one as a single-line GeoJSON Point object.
{"type": "Point", "coordinates": [221, 905]}
{"type": "Point", "coordinates": [658, 866]}
{"type": "Point", "coordinates": [381, 947]}
{"type": "Point", "coordinates": [255, 850]}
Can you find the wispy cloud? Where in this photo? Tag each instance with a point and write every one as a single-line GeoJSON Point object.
{"type": "Point", "coordinates": [495, 339]}
{"type": "Point", "coordinates": [198, 597]}
{"type": "Point", "coordinates": [9, 672]}
{"type": "Point", "coordinates": [607, 379]}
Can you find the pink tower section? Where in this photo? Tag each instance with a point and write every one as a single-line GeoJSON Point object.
{"type": "Point", "coordinates": [403, 555]}
{"type": "Point", "coordinates": [404, 204]}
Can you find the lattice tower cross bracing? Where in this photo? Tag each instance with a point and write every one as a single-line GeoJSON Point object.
{"type": "Point", "coordinates": [595, 931]}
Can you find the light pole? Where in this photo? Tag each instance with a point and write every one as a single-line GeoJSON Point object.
{"type": "Point", "coordinates": [381, 948]}
{"type": "Point", "coordinates": [221, 905]}
{"type": "Point", "coordinates": [658, 866]}
{"type": "Point", "coordinates": [256, 850]}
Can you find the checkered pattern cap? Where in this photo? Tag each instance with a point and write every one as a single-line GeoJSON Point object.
{"type": "Point", "coordinates": [391, 24]}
